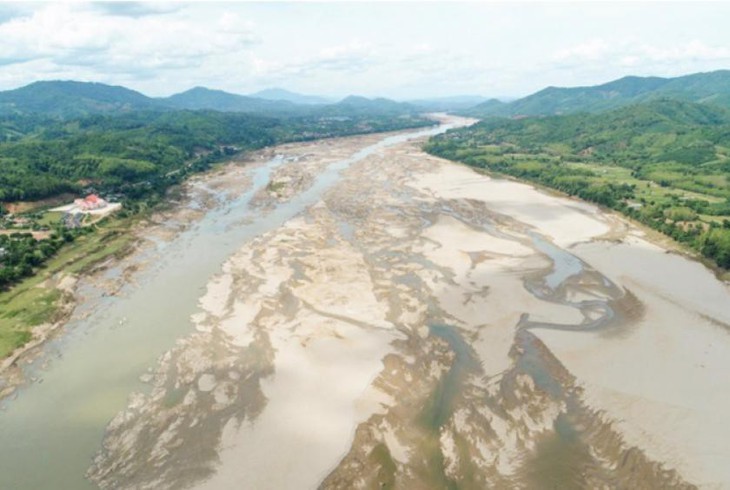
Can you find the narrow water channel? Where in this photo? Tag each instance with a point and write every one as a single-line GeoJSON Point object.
{"type": "Point", "coordinates": [51, 428]}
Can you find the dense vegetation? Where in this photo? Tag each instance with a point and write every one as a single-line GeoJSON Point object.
{"type": "Point", "coordinates": [710, 88]}
{"type": "Point", "coordinates": [136, 153]}
{"type": "Point", "coordinates": [71, 99]}
{"type": "Point", "coordinates": [665, 163]}
{"type": "Point", "coordinates": [21, 253]}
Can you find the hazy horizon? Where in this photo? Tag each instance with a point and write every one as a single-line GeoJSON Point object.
{"type": "Point", "coordinates": [396, 50]}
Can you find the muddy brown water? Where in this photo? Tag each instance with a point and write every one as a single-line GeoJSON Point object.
{"type": "Point", "coordinates": [52, 427]}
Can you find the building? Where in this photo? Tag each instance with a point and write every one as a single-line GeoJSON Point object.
{"type": "Point", "coordinates": [90, 202]}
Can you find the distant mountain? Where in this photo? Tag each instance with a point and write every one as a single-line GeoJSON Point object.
{"type": "Point", "coordinates": [453, 103]}
{"type": "Point", "coordinates": [491, 105]}
{"type": "Point", "coordinates": [710, 88]}
{"type": "Point", "coordinates": [281, 94]}
{"type": "Point", "coordinates": [204, 98]}
{"type": "Point", "coordinates": [71, 99]}
{"type": "Point", "coordinates": [67, 99]}
{"type": "Point", "coordinates": [706, 88]}
{"type": "Point", "coordinates": [357, 105]}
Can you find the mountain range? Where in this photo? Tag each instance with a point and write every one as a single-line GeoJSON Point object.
{"type": "Point", "coordinates": [281, 94]}
{"type": "Point", "coordinates": [709, 88]}
{"type": "Point", "coordinates": [204, 98]}
{"type": "Point", "coordinates": [68, 99]}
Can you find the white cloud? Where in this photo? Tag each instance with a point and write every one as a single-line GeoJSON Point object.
{"type": "Point", "coordinates": [631, 53]}
{"type": "Point", "coordinates": [593, 49]}
{"type": "Point", "coordinates": [401, 50]}
{"type": "Point", "coordinates": [72, 35]}
{"type": "Point", "coordinates": [694, 50]}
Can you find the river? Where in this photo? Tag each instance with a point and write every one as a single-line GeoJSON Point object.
{"type": "Point", "coordinates": [52, 427]}
{"type": "Point", "coordinates": [356, 312]}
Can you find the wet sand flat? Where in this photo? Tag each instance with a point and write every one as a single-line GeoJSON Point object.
{"type": "Point", "coordinates": [659, 376]}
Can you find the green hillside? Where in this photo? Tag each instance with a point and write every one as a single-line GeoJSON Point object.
{"type": "Point", "coordinates": [710, 88]}
{"type": "Point", "coordinates": [72, 99]}
{"type": "Point", "coordinates": [664, 162]}
{"type": "Point", "coordinates": [135, 152]}
{"type": "Point", "coordinates": [361, 106]}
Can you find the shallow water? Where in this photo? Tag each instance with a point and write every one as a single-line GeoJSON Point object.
{"type": "Point", "coordinates": [560, 459]}
{"type": "Point", "coordinates": [440, 409]}
{"type": "Point", "coordinates": [565, 265]}
{"type": "Point", "coordinates": [51, 429]}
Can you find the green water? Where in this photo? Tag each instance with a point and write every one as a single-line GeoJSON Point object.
{"type": "Point", "coordinates": [439, 407]}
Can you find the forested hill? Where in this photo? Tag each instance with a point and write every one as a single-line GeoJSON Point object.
{"type": "Point", "coordinates": [134, 153]}
{"type": "Point", "coordinates": [356, 105]}
{"type": "Point", "coordinates": [656, 131]}
{"type": "Point", "coordinates": [665, 162]}
{"type": "Point", "coordinates": [204, 98]}
{"type": "Point", "coordinates": [709, 88]}
{"type": "Point", "coordinates": [72, 99]}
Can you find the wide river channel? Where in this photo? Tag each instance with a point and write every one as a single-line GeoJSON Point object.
{"type": "Point", "coordinates": [52, 427]}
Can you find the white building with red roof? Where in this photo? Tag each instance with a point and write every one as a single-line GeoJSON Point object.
{"type": "Point", "coordinates": [90, 202]}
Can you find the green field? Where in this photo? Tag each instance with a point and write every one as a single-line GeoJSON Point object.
{"type": "Point", "coordinates": [50, 219]}
{"type": "Point", "coordinates": [36, 300]}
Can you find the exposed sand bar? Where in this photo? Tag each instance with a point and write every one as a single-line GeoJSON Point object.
{"type": "Point", "coordinates": [674, 399]}
{"type": "Point", "coordinates": [663, 377]}
{"type": "Point", "coordinates": [389, 335]}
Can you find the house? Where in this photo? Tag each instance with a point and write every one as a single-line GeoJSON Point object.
{"type": "Point", "coordinates": [90, 202]}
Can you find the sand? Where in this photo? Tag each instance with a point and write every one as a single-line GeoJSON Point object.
{"type": "Point", "coordinates": [674, 403]}
{"type": "Point", "coordinates": [565, 221]}
{"type": "Point", "coordinates": [664, 380]}
{"type": "Point", "coordinates": [326, 357]}
{"type": "Point", "coordinates": [315, 363]}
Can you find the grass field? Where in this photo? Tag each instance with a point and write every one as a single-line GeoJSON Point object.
{"type": "Point", "coordinates": [50, 219]}
{"type": "Point", "coordinates": [36, 300]}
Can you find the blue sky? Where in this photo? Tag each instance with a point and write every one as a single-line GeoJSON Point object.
{"type": "Point", "coordinates": [401, 50]}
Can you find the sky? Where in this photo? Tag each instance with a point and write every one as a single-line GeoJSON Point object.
{"type": "Point", "coordinates": [399, 50]}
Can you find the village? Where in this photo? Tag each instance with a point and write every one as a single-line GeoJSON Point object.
{"type": "Point", "coordinates": [29, 238]}
{"type": "Point", "coordinates": [84, 211]}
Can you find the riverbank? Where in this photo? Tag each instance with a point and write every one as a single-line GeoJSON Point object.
{"type": "Point", "coordinates": [694, 214]}
{"type": "Point", "coordinates": [36, 308]}
{"type": "Point", "coordinates": [652, 235]}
